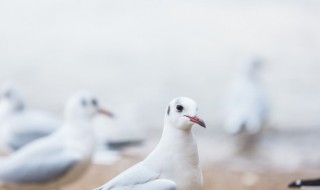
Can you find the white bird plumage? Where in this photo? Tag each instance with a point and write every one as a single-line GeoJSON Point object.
{"type": "Point", "coordinates": [58, 158]}
{"type": "Point", "coordinates": [20, 125]}
{"type": "Point", "coordinates": [174, 163]}
{"type": "Point", "coordinates": [246, 109]}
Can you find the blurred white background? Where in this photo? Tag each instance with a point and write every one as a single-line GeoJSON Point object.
{"type": "Point", "coordinates": [138, 55]}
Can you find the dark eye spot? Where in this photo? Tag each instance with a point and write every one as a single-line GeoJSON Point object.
{"type": "Point", "coordinates": [168, 110]}
{"type": "Point", "coordinates": [84, 103]}
{"type": "Point", "coordinates": [94, 102]}
{"type": "Point", "coordinates": [179, 108]}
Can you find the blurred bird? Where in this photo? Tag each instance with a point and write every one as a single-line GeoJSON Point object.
{"type": "Point", "coordinates": [20, 125]}
{"type": "Point", "coordinates": [305, 184]}
{"type": "Point", "coordinates": [60, 157]}
{"type": "Point", "coordinates": [174, 164]}
{"type": "Point", "coordinates": [247, 108]}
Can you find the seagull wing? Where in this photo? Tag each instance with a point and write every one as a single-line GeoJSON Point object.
{"type": "Point", "coordinates": [139, 177]}
{"type": "Point", "coordinates": [26, 127]}
{"type": "Point", "coordinates": [16, 141]}
{"type": "Point", "coordinates": [39, 162]}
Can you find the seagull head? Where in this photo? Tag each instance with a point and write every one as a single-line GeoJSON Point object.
{"type": "Point", "coordinates": [84, 105]}
{"type": "Point", "coordinates": [11, 98]}
{"type": "Point", "coordinates": [182, 113]}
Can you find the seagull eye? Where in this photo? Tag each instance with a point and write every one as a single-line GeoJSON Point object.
{"type": "Point", "coordinates": [94, 102]}
{"type": "Point", "coordinates": [179, 108]}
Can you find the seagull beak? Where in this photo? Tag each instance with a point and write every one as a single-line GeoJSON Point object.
{"type": "Point", "coordinates": [105, 112]}
{"type": "Point", "coordinates": [197, 120]}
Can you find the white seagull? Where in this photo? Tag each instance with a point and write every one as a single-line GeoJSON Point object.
{"type": "Point", "coordinates": [305, 184]}
{"type": "Point", "coordinates": [247, 108]}
{"type": "Point", "coordinates": [58, 158]}
{"type": "Point", "coordinates": [20, 125]}
{"type": "Point", "coordinates": [174, 164]}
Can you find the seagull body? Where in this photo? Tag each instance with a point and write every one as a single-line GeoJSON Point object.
{"type": "Point", "coordinates": [246, 104]}
{"type": "Point", "coordinates": [48, 162]}
{"type": "Point", "coordinates": [305, 184]}
{"type": "Point", "coordinates": [58, 158]}
{"type": "Point", "coordinates": [174, 163]}
{"type": "Point", "coordinates": [20, 125]}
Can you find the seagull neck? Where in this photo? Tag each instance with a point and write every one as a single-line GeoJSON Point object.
{"type": "Point", "coordinates": [80, 130]}
{"type": "Point", "coordinates": [172, 135]}
{"type": "Point", "coordinates": [178, 140]}
{"type": "Point", "coordinates": [77, 118]}
{"type": "Point", "coordinates": [76, 122]}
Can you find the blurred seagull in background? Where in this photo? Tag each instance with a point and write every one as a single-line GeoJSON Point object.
{"type": "Point", "coordinates": [305, 184]}
{"type": "Point", "coordinates": [20, 125]}
{"type": "Point", "coordinates": [60, 157]}
{"type": "Point", "coordinates": [247, 108]}
{"type": "Point", "coordinates": [174, 164]}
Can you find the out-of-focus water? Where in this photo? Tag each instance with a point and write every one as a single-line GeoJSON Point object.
{"type": "Point", "coordinates": [138, 55]}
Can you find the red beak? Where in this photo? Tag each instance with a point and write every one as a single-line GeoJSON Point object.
{"type": "Point", "coordinates": [197, 120]}
{"type": "Point", "coordinates": [105, 112]}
